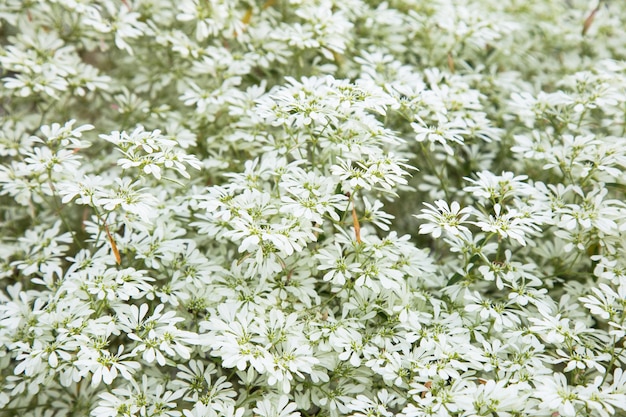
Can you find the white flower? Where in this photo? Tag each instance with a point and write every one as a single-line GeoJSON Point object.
{"type": "Point", "coordinates": [557, 396]}
{"type": "Point", "coordinates": [253, 168]}
{"type": "Point", "coordinates": [289, 359]}
{"type": "Point", "coordinates": [444, 132]}
{"type": "Point", "coordinates": [555, 328]}
{"type": "Point", "coordinates": [511, 224]}
{"type": "Point", "coordinates": [104, 366]}
{"type": "Point", "coordinates": [603, 301]}
{"type": "Point", "coordinates": [157, 334]}
{"type": "Point", "coordinates": [442, 217]}
{"type": "Point", "coordinates": [131, 200]}
{"type": "Point", "coordinates": [340, 267]}
{"type": "Point", "coordinates": [495, 397]}
{"type": "Point", "coordinates": [275, 406]}
{"type": "Point", "coordinates": [233, 330]}
{"type": "Point", "coordinates": [114, 404]}
{"type": "Point", "coordinates": [582, 358]}
{"type": "Point", "coordinates": [362, 406]}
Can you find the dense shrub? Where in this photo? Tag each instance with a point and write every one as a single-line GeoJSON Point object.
{"type": "Point", "coordinates": [314, 208]}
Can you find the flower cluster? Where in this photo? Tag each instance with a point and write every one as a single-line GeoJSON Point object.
{"type": "Point", "coordinates": [288, 208]}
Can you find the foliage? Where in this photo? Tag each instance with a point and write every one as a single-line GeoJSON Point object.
{"type": "Point", "coordinates": [312, 208]}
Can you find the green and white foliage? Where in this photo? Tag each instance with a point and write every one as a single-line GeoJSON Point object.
{"type": "Point", "coordinates": [283, 208]}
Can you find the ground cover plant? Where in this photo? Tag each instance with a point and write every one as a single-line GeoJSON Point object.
{"type": "Point", "coordinates": [312, 208]}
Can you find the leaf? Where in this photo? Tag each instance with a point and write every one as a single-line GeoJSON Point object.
{"type": "Point", "coordinates": [455, 278]}
{"type": "Point", "coordinates": [357, 226]}
{"type": "Point", "coordinates": [116, 252]}
{"type": "Point", "coordinates": [589, 20]}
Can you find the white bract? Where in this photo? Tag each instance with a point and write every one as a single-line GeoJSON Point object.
{"type": "Point", "coordinates": [289, 208]}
